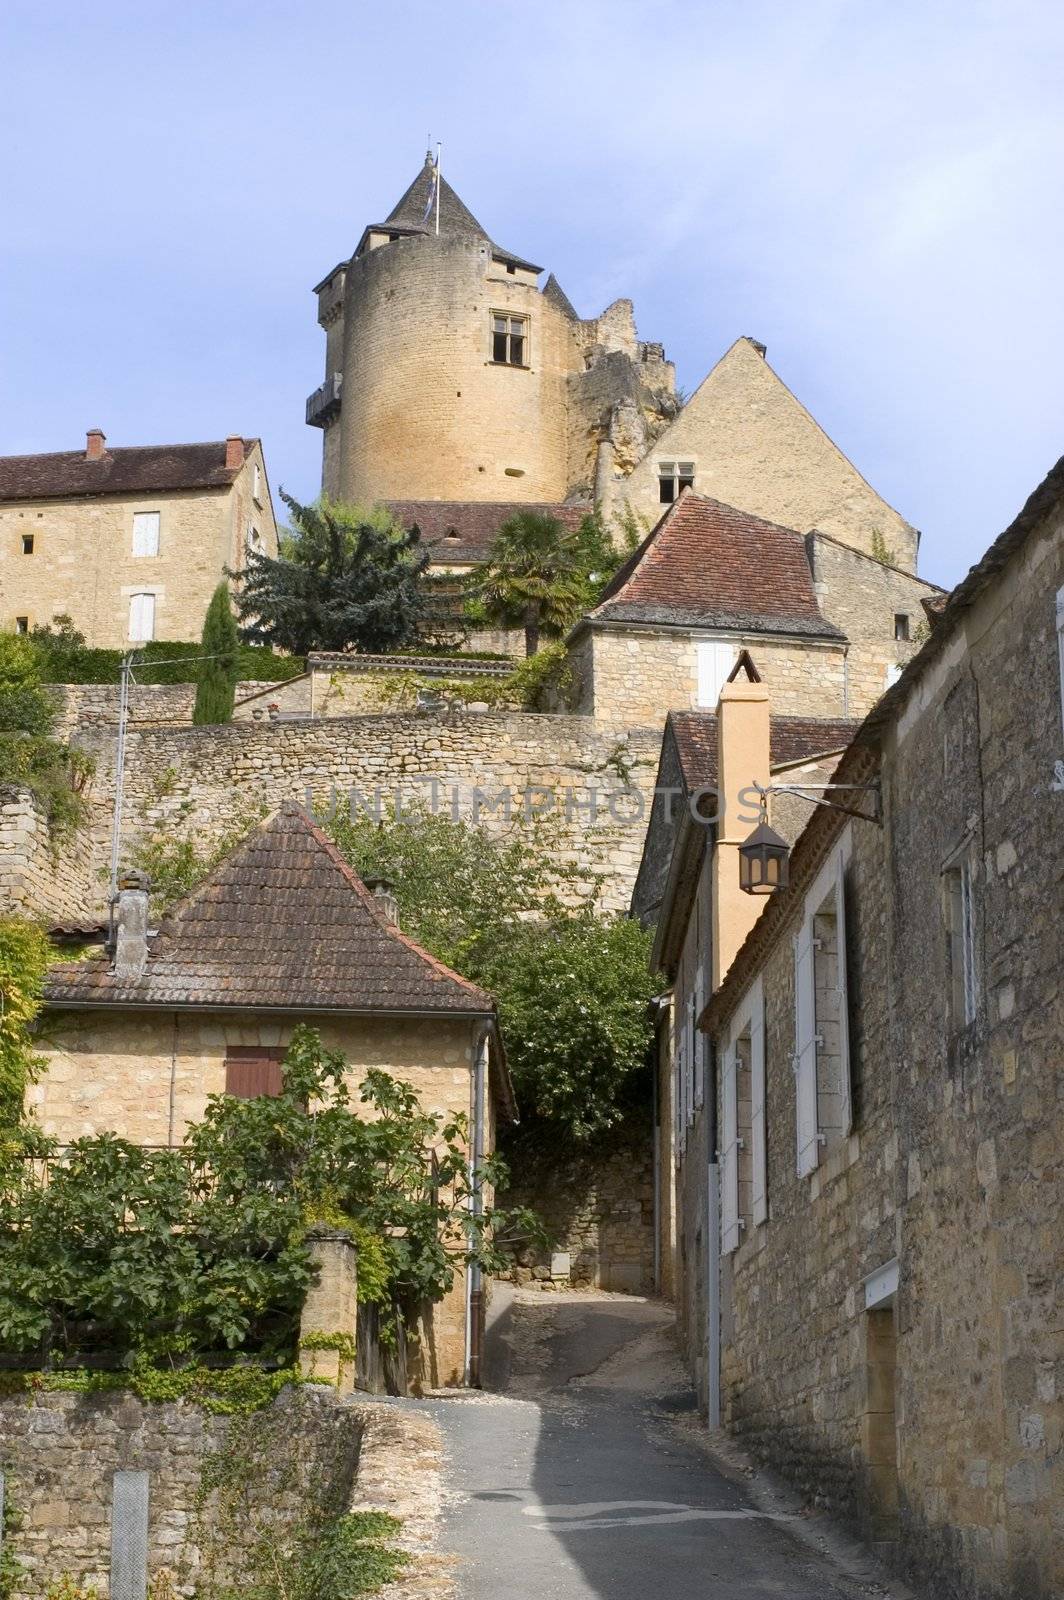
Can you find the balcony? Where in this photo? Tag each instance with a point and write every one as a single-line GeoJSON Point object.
{"type": "Point", "coordinates": [324, 404]}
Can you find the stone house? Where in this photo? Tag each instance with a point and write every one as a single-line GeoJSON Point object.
{"type": "Point", "coordinates": [830, 625]}
{"type": "Point", "coordinates": [129, 542]}
{"type": "Point", "coordinates": [281, 932]}
{"type": "Point", "coordinates": [869, 1204]}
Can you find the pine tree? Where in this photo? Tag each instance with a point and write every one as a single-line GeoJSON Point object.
{"type": "Point", "coordinates": [216, 681]}
{"type": "Point", "coordinates": [345, 580]}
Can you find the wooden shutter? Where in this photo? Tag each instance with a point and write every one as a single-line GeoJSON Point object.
{"type": "Point", "coordinates": [758, 1130]}
{"type": "Point", "coordinates": [145, 533]}
{"type": "Point", "coordinates": [729, 1156]}
{"type": "Point", "coordinates": [252, 1071]}
{"type": "Point", "coordinates": [698, 1040]}
{"type": "Point", "coordinates": [141, 618]}
{"type": "Point", "coordinates": [844, 1009]}
{"type": "Point", "coordinates": [806, 1120]}
{"type": "Point", "coordinates": [715, 661]}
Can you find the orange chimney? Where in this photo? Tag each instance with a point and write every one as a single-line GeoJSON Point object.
{"type": "Point", "coordinates": [95, 444]}
{"type": "Point", "coordinates": [742, 761]}
{"type": "Point", "coordinates": [234, 452]}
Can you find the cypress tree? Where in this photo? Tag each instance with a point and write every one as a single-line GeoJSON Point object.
{"type": "Point", "coordinates": [216, 679]}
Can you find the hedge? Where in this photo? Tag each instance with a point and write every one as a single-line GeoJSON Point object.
{"type": "Point", "coordinates": [80, 664]}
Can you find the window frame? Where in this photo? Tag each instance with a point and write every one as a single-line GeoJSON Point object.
{"type": "Point", "coordinates": [721, 669]}
{"type": "Point", "coordinates": [510, 317]}
{"type": "Point", "coordinates": [747, 1024]}
{"type": "Point", "coordinates": [28, 544]}
{"type": "Point", "coordinates": [141, 517]}
{"type": "Point", "coordinates": [22, 625]}
{"type": "Point", "coordinates": [677, 479]}
{"type": "Point", "coordinates": [902, 620]}
{"type": "Point", "coordinates": [958, 904]}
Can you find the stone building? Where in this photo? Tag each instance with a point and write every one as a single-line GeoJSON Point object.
{"type": "Point", "coordinates": [830, 625]}
{"type": "Point", "coordinates": [866, 1181]}
{"type": "Point", "coordinates": [129, 542]}
{"type": "Point", "coordinates": [452, 375]}
{"type": "Point", "coordinates": [281, 932]}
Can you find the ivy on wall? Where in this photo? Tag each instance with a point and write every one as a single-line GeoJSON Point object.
{"type": "Point", "coordinates": [24, 957]}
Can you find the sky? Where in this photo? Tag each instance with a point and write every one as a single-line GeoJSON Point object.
{"type": "Point", "coordinates": [872, 188]}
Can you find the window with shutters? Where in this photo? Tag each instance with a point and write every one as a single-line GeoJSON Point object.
{"type": "Point", "coordinates": [823, 1104]}
{"type": "Point", "coordinates": [742, 1127]}
{"type": "Point", "coordinates": [716, 658]}
{"type": "Point", "coordinates": [959, 907]}
{"type": "Point", "coordinates": [141, 618]}
{"type": "Point", "coordinates": [252, 1071]}
{"type": "Point", "coordinates": [145, 533]}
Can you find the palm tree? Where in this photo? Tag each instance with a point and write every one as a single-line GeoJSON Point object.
{"type": "Point", "coordinates": [534, 577]}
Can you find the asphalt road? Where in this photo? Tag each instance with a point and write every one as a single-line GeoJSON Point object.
{"type": "Point", "coordinates": [588, 1475]}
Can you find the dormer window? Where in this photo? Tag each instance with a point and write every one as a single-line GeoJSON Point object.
{"type": "Point", "coordinates": [509, 339]}
{"type": "Point", "coordinates": [673, 478]}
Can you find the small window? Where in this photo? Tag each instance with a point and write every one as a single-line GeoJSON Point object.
{"type": "Point", "coordinates": [253, 1071]}
{"type": "Point", "coordinates": [715, 660]}
{"type": "Point", "coordinates": [27, 544]}
{"type": "Point", "coordinates": [821, 1024]}
{"type": "Point", "coordinates": [901, 625]}
{"type": "Point", "coordinates": [960, 939]}
{"type": "Point", "coordinates": [141, 618]}
{"type": "Point", "coordinates": [673, 478]}
{"type": "Point", "coordinates": [22, 624]}
{"type": "Point", "coordinates": [253, 539]}
{"type": "Point", "coordinates": [145, 533]}
{"type": "Point", "coordinates": [256, 484]}
{"type": "Point", "coordinates": [509, 339]}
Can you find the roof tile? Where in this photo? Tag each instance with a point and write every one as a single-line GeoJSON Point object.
{"type": "Point", "coordinates": [128, 470]}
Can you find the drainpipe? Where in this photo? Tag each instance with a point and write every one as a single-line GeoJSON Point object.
{"type": "Point", "coordinates": [474, 1308]}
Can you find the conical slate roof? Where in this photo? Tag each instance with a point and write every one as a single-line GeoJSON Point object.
{"type": "Point", "coordinates": [408, 215]}
{"type": "Point", "coordinates": [283, 922]}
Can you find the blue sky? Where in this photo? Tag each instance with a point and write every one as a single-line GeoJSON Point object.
{"type": "Point", "coordinates": [873, 190]}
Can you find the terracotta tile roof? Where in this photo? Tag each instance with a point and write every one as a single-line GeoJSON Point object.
{"type": "Point", "coordinates": [136, 469]}
{"type": "Point", "coordinates": [282, 922]}
{"type": "Point", "coordinates": [475, 522]}
{"type": "Point", "coordinates": [709, 565]}
{"type": "Point", "coordinates": [791, 739]}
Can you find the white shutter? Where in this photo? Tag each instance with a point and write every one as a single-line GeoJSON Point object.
{"type": "Point", "coordinates": [844, 1009]}
{"type": "Point", "coordinates": [758, 1131]}
{"type": "Point", "coordinates": [698, 1040]}
{"type": "Point", "coordinates": [715, 661]}
{"type": "Point", "coordinates": [805, 1050]}
{"type": "Point", "coordinates": [729, 1157]}
{"type": "Point", "coordinates": [141, 618]}
{"type": "Point", "coordinates": [145, 533]}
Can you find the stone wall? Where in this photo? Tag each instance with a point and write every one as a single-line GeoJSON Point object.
{"type": "Point", "coordinates": [83, 562]}
{"type": "Point", "coordinates": [95, 705]}
{"type": "Point", "coordinates": [598, 1209]}
{"type": "Point", "coordinates": [933, 1416]}
{"type": "Point", "coordinates": [637, 675]}
{"type": "Point", "coordinates": [205, 780]}
{"type": "Point", "coordinates": [41, 876]}
{"type": "Point", "coordinates": [311, 1450]}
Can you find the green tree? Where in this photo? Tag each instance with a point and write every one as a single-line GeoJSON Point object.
{"type": "Point", "coordinates": [345, 580]}
{"type": "Point", "coordinates": [24, 957]}
{"type": "Point", "coordinates": [216, 676]}
{"type": "Point", "coordinates": [535, 577]}
{"type": "Point", "coordinates": [55, 774]}
{"type": "Point", "coordinates": [184, 1251]}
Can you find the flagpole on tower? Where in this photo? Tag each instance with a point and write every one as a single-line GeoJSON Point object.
{"type": "Point", "coordinates": [439, 176]}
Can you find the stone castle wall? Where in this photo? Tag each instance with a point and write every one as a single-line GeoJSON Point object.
{"type": "Point", "coordinates": [206, 780]}
{"type": "Point", "coordinates": [41, 876]}
{"type": "Point", "coordinates": [83, 562]}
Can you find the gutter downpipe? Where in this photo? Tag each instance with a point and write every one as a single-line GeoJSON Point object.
{"type": "Point", "coordinates": [474, 1307]}
{"type": "Point", "coordinates": [712, 1253]}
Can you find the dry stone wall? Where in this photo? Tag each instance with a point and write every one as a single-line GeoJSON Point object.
{"type": "Point", "coordinates": [41, 876]}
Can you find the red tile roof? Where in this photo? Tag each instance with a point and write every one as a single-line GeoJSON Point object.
{"type": "Point", "coordinates": [791, 739]}
{"type": "Point", "coordinates": [135, 469]}
{"type": "Point", "coordinates": [283, 922]}
{"type": "Point", "coordinates": [474, 522]}
{"type": "Point", "coordinates": [707, 564]}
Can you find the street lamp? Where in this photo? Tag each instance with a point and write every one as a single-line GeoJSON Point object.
{"type": "Point", "coordinates": [763, 858]}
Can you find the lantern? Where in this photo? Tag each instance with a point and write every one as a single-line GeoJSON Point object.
{"type": "Point", "coordinates": [763, 858]}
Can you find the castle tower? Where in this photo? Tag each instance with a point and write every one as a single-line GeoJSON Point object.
{"type": "Point", "coordinates": [451, 375]}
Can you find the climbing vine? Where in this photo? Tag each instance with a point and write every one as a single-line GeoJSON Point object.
{"type": "Point", "coordinates": [24, 957]}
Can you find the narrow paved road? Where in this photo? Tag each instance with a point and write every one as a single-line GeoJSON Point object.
{"type": "Point", "coordinates": [587, 1475]}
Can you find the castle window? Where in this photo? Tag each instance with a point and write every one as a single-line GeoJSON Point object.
{"type": "Point", "coordinates": [27, 544]}
{"type": "Point", "coordinates": [256, 484]}
{"type": "Point", "coordinates": [141, 618]}
{"type": "Point", "coordinates": [509, 339]}
{"type": "Point", "coordinates": [22, 624]}
{"type": "Point", "coordinates": [960, 939]}
{"type": "Point", "coordinates": [901, 625]}
{"type": "Point", "coordinates": [673, 478]}
{"type": "Point", "coordinates": [145, 533]}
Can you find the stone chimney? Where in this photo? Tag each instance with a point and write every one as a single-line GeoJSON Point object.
{"type": "Point", "coordinates": [742, 761]}
{"type": "Point", "coordinates": [383, 891]}
{"type": "Point", "coordinates": [95, 444]}
{"type": "Point", "coordinates": [131, 925]}
{"type": "Point", "coordinates": [234, 452]}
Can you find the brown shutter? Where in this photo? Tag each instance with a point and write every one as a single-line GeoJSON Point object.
{"type": "Point", "coordinates": [253, 1070]}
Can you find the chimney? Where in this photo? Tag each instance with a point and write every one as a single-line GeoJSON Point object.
{"type": "Point", "coordinates": [131, 925]}
{"type": "Point", "coordinates": [95, 444]}
{"type": "Point", "coordinates": [383, 891]}
{"type": "Point", "coordinates": [234, 452]}
{"type": "Point", "coordinates": [742, 761]}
